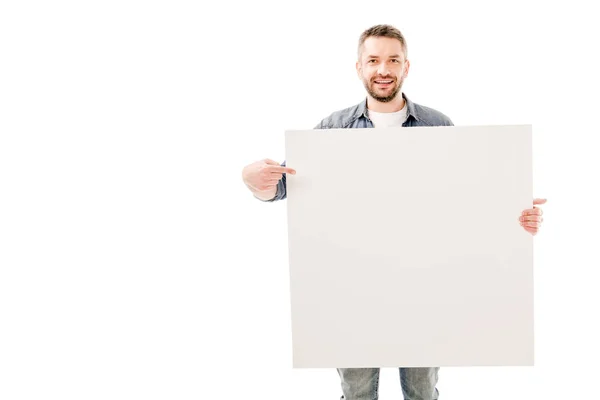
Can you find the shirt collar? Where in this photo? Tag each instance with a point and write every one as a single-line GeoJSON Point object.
{"type": "Point", "coordinates": [410, 108]}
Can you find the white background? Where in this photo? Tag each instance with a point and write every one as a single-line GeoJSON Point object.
{"type": "Point", "coordinates": [134, 263]}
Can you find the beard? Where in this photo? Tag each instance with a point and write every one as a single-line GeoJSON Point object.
{"type": "Point", "coordinates": [385, 95]}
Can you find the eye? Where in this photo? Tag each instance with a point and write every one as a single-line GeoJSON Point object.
{"type": "Point", "coordinates": [371, 61]}
{"type": "Point", "coordinates": [395, 60]}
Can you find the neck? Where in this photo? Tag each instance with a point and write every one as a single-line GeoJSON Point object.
{"type": "Point", "coordinates": [391, 106]}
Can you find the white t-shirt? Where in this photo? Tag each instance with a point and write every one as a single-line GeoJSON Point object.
{"type": "Point", "coordinates": [388, 120]}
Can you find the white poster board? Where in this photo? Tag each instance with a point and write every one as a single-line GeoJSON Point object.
{"type": "Point", "coordinates": [405, 247]}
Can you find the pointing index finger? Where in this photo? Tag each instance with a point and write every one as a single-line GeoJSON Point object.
{"type": "Point", "coordinates": [282, 169]}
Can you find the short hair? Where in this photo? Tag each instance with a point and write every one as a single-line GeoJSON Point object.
{"type": "Point", "coordinates": [382, 31]}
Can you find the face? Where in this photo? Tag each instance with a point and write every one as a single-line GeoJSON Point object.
{"type": "Point", "coordinates": [382, 67]}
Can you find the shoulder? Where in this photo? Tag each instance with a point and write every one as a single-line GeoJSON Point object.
{"type": "Point", "coordinates": [341, 118]}
{"type": "Point", "coordinates": [430, 116]}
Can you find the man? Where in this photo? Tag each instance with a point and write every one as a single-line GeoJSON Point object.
{"type": "Point", "coordinates": [382, 66]}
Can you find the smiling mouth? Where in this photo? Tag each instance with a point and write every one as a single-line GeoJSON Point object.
{"type": "Point", "coordinates": [384, 81]}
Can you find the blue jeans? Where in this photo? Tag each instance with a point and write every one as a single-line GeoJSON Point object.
{"type": "Point", "coordinates": [363, 383]}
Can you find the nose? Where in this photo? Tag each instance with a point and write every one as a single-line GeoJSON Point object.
{"type": "Point", "coordinates": [383, 69]}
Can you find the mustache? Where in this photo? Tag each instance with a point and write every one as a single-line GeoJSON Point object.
{"type": "Point", "coordinates": [379, 77]}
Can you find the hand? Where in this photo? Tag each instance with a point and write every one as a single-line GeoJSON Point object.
{"type": "Point", "coordinates": [263, 175]}
{"type": "Point", "coordinates": [531, 219]}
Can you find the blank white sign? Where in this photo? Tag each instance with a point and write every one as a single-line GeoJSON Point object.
{"type": "Point", "coordinates": [405, 247]}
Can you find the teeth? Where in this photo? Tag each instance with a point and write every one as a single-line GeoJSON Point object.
{"type": "Point", "coordinates": [383, 81]}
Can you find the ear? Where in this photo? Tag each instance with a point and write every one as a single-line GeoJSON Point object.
{"type": "Point", "coordinates": [358, 69]}
{"type": "Point", "coordinates": [406, 68]}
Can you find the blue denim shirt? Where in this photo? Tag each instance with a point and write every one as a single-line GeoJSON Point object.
{"type": "Point", "coordinates": [357, 117]}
